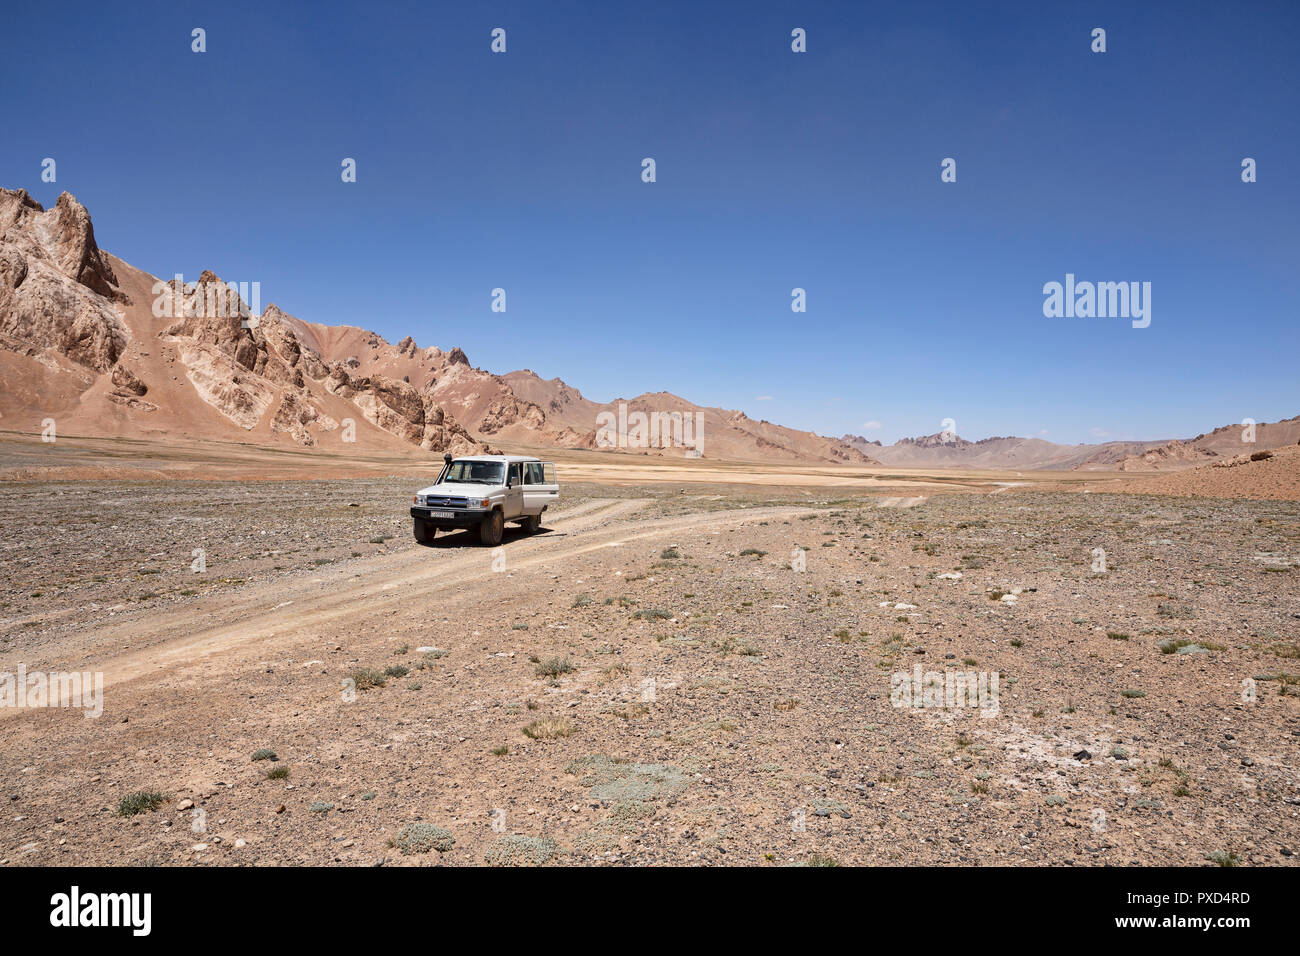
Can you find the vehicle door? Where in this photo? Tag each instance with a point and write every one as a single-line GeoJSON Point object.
{"type": "Point", "coordinates": [534, 490]}
{"type": "Point", "coordinates": [547, 490]}
{"type": "Point", "coordinates": [514, 504]}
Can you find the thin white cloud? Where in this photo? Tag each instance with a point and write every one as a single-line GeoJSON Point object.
{"type": "Point", "coordinates": [1096, 432]}
{"type": "Point", "coordinates": [762, 398]}
{"type": "Point", "coordinates": [872, 426]}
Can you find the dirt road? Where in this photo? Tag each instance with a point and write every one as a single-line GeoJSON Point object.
{"type": "Point", "coordinates": [377, 587]}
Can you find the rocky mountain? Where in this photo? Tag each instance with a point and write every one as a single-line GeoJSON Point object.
{"type": "Point", "coordinates": [948, 450]}
{"type": "Point", "coordinates": [1262, 474]}
{"type": "Point", "coordinates": [105, 349]}
{"type": "Point", "coordinates": [1223, 445]}
{"type": "Point", "coordinates": [523, 408]}
{"type": "Point", "coordinates": [57, 290]}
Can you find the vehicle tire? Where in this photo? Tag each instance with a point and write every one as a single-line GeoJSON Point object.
{"type": "Point", "coordinates": [531, 524]}
{"type": "Point", "coordinates": [492, 528]}
{"type": "Point", "coordinates": [424, 531]}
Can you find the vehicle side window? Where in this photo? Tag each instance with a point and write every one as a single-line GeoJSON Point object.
{"type": "Point", "coordinates": [533, 473]}
{"type": "Point", "coordinates": [549, 472]}
{"type": "Point", "coordinates": [516, 473]}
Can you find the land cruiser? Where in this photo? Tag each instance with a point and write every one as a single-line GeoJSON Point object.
{"type": "Point", "coordinates": [485, 491]}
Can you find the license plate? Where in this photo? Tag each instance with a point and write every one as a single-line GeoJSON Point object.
{"type": "Point", "coordinates": [441, 514]}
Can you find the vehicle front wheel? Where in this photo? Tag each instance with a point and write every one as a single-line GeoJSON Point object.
{"type": "Point", "coordinates": [492, 528]}
{"type": "Point", "coordinates": [531, 524]}
{"type": "Point", "coordinates": [424, 531]}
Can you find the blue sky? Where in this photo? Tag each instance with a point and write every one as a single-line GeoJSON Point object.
{"type": "Point", "coordinates": [775, 170]}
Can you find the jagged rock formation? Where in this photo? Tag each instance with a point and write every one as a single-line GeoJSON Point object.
{"type": "Point", "coordinates": [57, 291]}
{"type": "Point", "coordinates": [63, 306]}
{"type": "Point", "coordinates": [1235, 442]}
{"type": "Point", "coordinates": [1262, 474]}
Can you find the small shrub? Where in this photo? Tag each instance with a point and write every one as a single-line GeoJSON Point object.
{"type": "Point", "coordinates": [142, 801]}
{"type": "Point", "coordinates": [549, 728]}
{"type": "Point", "coordinates": [651, 614]}
{"type": "Point", "coordinates": [366, 678]}
{"type": "Point", "coordinates": [423, 837]}
{"type": "Point", "coordinates": [1174, 646]}
{"type": "Point", "coordinates": [555, 666]}
{"type": "Point", "coordinates": [1223, 858]}
{"type": "Point", "coordinates": [515, 849]}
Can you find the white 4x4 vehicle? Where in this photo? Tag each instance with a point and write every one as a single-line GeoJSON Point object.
{"type": "Point", "coordinates": [485, 491]}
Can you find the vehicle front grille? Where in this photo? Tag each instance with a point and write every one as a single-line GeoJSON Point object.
{"type": "Point", "coordinates": [434, 501]}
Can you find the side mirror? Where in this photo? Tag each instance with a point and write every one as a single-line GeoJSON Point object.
{"type": "Point", "coordinates": [510, 482]}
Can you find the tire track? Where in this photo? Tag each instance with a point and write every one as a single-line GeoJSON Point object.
{"type": "Point", "coordinates": [363, 592]}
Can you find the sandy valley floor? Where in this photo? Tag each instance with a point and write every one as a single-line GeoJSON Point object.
{"type": "Point", "coordinates": [650, 680]}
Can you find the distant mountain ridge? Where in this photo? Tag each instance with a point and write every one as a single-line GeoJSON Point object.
{"type": "Point", "coordinates": [82, 343]}
{"type": "Point", "coordinates": [948, 450]}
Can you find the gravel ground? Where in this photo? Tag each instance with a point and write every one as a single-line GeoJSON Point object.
{"type": "Point", "coordinates": [652, 680]}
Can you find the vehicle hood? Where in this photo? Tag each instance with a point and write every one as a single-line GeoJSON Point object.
{"type": "Point", "coordinates": [457, 490]}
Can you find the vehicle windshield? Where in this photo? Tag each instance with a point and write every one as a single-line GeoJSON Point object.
{"type": "Point", "coordinates": [475, 472]}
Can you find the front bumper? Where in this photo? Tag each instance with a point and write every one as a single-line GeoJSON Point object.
{"type": "Point", "coordinates": [458, 519]}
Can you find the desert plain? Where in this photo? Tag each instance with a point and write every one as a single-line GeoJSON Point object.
{"type": "Point", "coordinates": [692, 663]}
